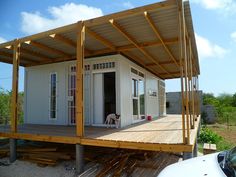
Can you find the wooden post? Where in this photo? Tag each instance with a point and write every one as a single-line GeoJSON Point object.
{"type": "Point", "coordinates": [186, 77]}
{"type": "Point", "coordinates": [182, 73]}
{"type": "Point", "coordinates": [192, 88]}
{"type": "Point", "coordinates": [15, 82]}
{"type": "Point", "coordinates": [79, 80]}
{"type": "Point", "coordinates": [189, 82]}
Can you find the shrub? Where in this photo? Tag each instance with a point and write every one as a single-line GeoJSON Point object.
{"type": "Point", "coordinates": [208, 136]}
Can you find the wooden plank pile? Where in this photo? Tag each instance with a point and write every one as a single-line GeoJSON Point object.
{"type": "Point", "coordinates": [99, 161]}
{"type": "Point", "coordinates": [43, 154]}
{"type": "Point", "coordinates": [117, 162]}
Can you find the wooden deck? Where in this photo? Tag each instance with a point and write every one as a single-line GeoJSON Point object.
{"type": "Point", "coordinates": [164, 134]}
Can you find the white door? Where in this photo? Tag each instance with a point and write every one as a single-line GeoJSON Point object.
{"type": "Point", "coordinates": [98, 99]}
{"type": "Point", "coordinates": [135, 99]}
{"type": "Point", "coordinates": [138, 98]}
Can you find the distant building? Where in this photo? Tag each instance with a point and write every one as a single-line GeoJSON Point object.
{"type": "Point", "coordinates": [174, 102]}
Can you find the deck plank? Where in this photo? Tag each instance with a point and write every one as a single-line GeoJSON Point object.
{"type": "Point", "coordinates": [166, 131]}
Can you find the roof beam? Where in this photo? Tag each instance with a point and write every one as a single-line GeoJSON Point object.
{"type": "Point", "coordinates": [140, 62]}
{"type": "Point", "coordinates": [134, 42]}
{"type": "Point", "coordinates": [104, 41]}
{"type": "Point", "coordinates": [47, 48]}
{"type": "Point", "coordinates": [156, 31]}
{"type": "Point", "coordinates": [35, 54]}
{"type": "Point", "coordinates": [149, 44]}
{"type": "Point", "coordinates": [162, 63]}
{"type": "Point", "coordinates": [8, 55]}
{"type": "Point", "coordinates": [63, 39]}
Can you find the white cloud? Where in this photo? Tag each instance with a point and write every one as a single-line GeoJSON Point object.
{"type": "Point", "coordinates": [2, 40]}
{"type": "Point", "coordinates": [222, 5]}
{"type": "Point", "coordinates": [128, 5]}
{"type": "Point", "coordinates": [207, 49]}
{"type": "Point", "coordinates": [233, 36]}
{"type": "Point", "coordinates": [62, 15]}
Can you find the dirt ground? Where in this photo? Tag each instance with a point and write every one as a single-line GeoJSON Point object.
{"type": "Point", "coordinates": [228, 133]}
{"type": "Point", "coordinates": [27, 169]}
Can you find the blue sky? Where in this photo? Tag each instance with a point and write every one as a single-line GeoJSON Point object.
{"type": "Point", "coordinates": [214, 23]}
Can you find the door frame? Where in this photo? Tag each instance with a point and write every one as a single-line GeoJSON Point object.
{"type": "Point", "coordinates": [92, 92]}
{"type": "Point", "coordinates": [137, 78]}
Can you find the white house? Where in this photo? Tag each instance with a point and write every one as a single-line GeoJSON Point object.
{"type": "Point", "coordinates": [112, 84]}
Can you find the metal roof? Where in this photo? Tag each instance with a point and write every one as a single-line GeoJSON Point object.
{"type": "Point", "coordinates": [131, 33]}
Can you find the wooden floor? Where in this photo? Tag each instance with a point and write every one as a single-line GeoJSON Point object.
{"type": "Point", "coordinates": [164, 134]}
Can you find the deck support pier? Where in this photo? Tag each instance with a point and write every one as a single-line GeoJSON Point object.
{"type": "Point", "coordinates": [187, 155]}
{"type": "Point", "coordinates": [195, 149]}
{"type": "Point", "coordinates": [79, 158]}
{"type": "Point", "coordinates": [13, 154]}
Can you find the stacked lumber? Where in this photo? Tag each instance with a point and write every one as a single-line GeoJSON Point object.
{"type": "Point", "coordinates": [43, 155]}
{"type": "Point", "coordinates": [118, 162]}
{"type": "Point", "coordinates": [99, 161]}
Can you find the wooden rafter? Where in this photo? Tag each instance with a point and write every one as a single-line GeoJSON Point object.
{"type": "Point", "coordinates": [134, 42]}
{"type": "Point", "coordinates": [137, 59]}
{"type": "Point", "coordinates": [149, 44]}
{"type": "Point", "coordinates": [63, 39]}
{"type": "Point", "coordinates": [35, 54]}
{"type": "Point", "coordinates": [47, 48]}
{"type": "Point", "coordinates": [156, 31]}
{"type": "Point", "coordinates": [161, 63]}
{"type": "Point", "coordinates": [104, 41]}
{"type": "Point", "coordinates": [23, 59]}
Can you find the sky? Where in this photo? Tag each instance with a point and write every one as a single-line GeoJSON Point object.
{"type": "Point", "coordinates": [214, 24]}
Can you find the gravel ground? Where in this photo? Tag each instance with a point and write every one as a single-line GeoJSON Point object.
{"type": "Point", "coordinates": [27, 169]}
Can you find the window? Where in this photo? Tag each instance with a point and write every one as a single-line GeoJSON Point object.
{"type": "Point", "coordinates": [141, 97]}
{"type": "Point", "coordinates": [104, 65]}
{"type": "Point", "coordinates": [53, 96]}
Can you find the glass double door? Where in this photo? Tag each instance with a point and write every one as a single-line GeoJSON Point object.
{"type": "Point", "coordinates": [138, 99]}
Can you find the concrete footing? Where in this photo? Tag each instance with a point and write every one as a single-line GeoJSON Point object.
{"type": "Point", "coordinates": [13, 155]}
{"type": "Point", "coordinates": [187, 155]}
{"type": "Point", "coordinates": [195, 150]}
{"type": "Point", "coordinates": [79, 158]}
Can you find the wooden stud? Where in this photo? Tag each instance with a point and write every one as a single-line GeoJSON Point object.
{"type": "Point", "coordinates": [15, 82]}
{"type": "Point", "coordinates": [157, 33]}
{"type": "Point", "coordinates": [79, 80]}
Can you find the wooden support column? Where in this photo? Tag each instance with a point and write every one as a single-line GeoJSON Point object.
{"type": "Point", "coordinates": [192, 88]}
{"type": "Point", "coordinates": [186, 77]}
{"type": "Point", "coordinates": [182, 74]}
{"type": "Point", "coordinates": [15, 82]}
{"type": "Point", "coordinates": [79, 80]}
{"type": "Point", "coordinates": [189, 83]}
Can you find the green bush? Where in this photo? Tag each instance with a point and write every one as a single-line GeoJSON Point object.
{"type": "Point", "coordinates": [208, 136]}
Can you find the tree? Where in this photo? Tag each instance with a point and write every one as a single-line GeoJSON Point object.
{"type": "Point", "coordinates": [234, 100]}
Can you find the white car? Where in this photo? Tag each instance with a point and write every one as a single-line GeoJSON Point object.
{"type": "Point", "coordinates": [221, 164]}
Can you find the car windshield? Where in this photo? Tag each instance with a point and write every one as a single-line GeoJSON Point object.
{"type": "Point", "coordinates": [231, 160]}
{"type": "Point", "coordinates": [227, 162]}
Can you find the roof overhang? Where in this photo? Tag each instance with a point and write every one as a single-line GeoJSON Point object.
{"type": "Point", "coordinates": [147, 35]}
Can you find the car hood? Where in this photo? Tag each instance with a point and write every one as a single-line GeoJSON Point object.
{"type": "Point", "coordinates": [204, 166]}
